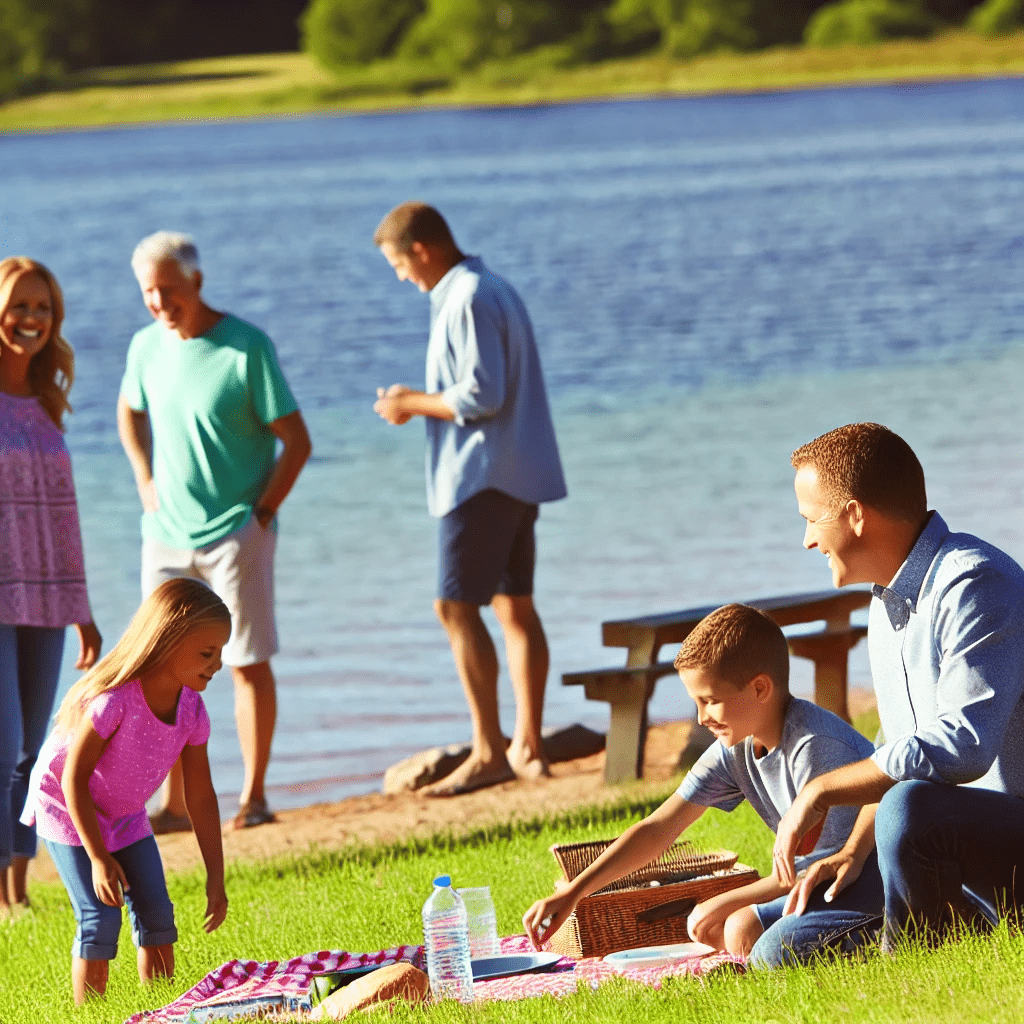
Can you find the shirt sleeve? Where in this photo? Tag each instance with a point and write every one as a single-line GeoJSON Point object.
{"type": "Point", "coordinates": [709, 782]}
{"type": "Point", "coordinates": [271, 396]}
{"type": "Point", "coordinates": [200, 733]}
{"type": "Point", "coordinates": [819, 754]}
{"type": "Point", "coordinates": [132, 390]}
{"type": "Point", "coordinates": [477, 338]}
{"type": "Point", "coordinates": [106, 712]}
{"type": "Point", "coordinates": [979, 627]}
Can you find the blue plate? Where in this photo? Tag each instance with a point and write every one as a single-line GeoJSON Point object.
{"type": "Point", "coordinates": [514, 963]}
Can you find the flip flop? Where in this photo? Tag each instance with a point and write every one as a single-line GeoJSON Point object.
{"type": "Point", "coordinates": [255, 812]}
{"type": "Point", "coordinates": [164, 822]}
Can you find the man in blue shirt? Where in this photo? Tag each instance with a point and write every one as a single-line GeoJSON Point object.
{"type": "Point", "coordinates": [491, 460]}
{"type": "Point", "coordinates": [943, 797]}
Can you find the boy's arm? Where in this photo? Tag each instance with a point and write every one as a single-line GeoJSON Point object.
{"type": "Point", "coordinates": [637, 846]}
{"type": "Point", "coordinates": [201, 801]}
{"type": "Point", "coordinates": [87, 746]}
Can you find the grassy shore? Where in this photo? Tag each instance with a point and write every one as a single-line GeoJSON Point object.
{"type": "Point", "coordinates": [365, 899]}
{"type": "Point", "coordinates": [292, 83]}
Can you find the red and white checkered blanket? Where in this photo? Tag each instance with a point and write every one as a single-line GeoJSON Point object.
{"type": "Point", "coordinates": [245, 987]}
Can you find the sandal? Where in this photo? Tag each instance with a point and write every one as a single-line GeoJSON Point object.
{"type": "Point", "coordinates": [165, 822]}
{"type": "Point", "coordinates": [255, 812]}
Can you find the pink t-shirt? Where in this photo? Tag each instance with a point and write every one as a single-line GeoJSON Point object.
{"type": "Point", "coordinates": [141, 751]}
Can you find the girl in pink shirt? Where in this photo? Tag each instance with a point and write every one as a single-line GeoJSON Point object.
{"type": "Point", "coordinates": [118, 731]}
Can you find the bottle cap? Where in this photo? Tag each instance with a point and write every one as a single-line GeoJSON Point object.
{"type": "Point", "coordinates": [443, 881]}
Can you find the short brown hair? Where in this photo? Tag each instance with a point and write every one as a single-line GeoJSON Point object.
{"type": "Point", "coordinates": [871, 464]}
{"type": "Point", "coordinates": [413, 222]}
{"type": "Point", "coordinates": [736, 643]}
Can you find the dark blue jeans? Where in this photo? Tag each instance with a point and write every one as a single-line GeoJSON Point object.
{"type": "Point", "coordinates": [851, 920]}
{"type": "Point", "coordinates": [942, 847]}
{"type": "Point", "coordinates": [30, 659]}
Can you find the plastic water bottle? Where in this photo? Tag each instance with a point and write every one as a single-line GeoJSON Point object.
{"type": "Point", "coordinates": [446, 938]}
{"type": "Point", "coordinates": [482, 923]}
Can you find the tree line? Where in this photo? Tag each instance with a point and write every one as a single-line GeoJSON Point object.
{"type": "Point", "coordinates": [42, 40]}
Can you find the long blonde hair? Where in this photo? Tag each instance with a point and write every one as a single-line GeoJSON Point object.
{"type": "Point", "coordinates": [52, 370]}
{"type": "Point", "coordinates": [173, 610]}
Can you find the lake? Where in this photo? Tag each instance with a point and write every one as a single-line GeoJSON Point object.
{"type": "Point", "coordinates": [712, 281]}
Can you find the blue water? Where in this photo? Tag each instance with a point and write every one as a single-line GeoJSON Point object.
{"type": "Point", "coordinates": [713, 282]}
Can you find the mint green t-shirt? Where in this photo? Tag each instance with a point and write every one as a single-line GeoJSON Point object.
{"type": "Point", "coordinates": [209, 401]}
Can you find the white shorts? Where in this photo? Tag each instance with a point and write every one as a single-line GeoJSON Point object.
{"type": "Point", "coordinates": [239, 569]}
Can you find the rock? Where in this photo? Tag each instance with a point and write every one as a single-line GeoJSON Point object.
{"type": "Point", "coordinates": [571, 742]}
{"type": "Point", "coordinates": [423, 768]}
{"type": "Point", "coordinates": [396, 981]}
{"type": "Point", "coordinates": [429, 766]}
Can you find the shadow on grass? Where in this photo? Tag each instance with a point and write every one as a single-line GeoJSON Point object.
{"type": "Point", "coordinates": [126, 79]}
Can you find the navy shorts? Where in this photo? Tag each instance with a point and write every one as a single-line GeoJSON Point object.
{"type": "Point", "coordinates": [149, 907]}
{"type": "Point", "coordinates": [487, 547]}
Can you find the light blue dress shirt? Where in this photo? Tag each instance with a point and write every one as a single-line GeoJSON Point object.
{"type": "Point", "coordinates": [483, 360]}
{"type": "Point", "coordinates": [946, 644]}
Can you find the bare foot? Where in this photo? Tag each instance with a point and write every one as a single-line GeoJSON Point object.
{"type": "Point", "coordinates": [527, 765]}
{"type": "Point", "coordinates": [470, 775]}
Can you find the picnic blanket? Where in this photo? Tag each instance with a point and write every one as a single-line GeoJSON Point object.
{"type": "Point", "coordinates": [244, 988]}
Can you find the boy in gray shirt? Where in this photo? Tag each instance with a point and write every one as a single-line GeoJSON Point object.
{"type": "Point", "coordinates": [735, 666]}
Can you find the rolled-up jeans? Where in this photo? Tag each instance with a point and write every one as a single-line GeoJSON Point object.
{"type": "Point", "coordinates": [948, 851]}
{"type": "Point", "coordinates": [853, 919]}
{"type": "Point", "coordinates": [30, 658]}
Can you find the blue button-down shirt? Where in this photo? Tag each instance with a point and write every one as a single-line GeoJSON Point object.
{"type": "Point", "coordinates": [483, 360]}
{"type": "Point", "coordinates": [946, 643]}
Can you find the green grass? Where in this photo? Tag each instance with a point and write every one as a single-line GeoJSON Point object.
{"type": "Point", "coordinates": [291, 83]}
{"type": "Point", "coordinates": [364, 899]}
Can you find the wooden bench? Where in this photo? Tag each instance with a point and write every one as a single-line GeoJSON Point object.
{"type": "Point", "coordinates": [628, 689]}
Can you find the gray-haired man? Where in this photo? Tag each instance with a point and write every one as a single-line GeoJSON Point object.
{"type": "Point", "coordinates": [202, 404]}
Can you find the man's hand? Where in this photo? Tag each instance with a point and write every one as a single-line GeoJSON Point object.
{"type": "Point", "coordinates": [803, 814]}
{"type": "Point", "coordinates": [387, 408]}
{"type": "Point", "coordinates": [546, 916]}
{"type": "Point", "coordinates": [844, 867]}
{"type": "Point", "coordinates": [89, 644]}
{"type": "Point", "coordinates": [109, 881]}
{"type": "Point", "coordinates": [216, 909]}
{"type": "Point", "coordinates": [148, 496]}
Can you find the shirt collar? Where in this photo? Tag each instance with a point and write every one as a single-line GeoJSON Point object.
{"type": "Point", "coordinates": [439, 292]}
{"type": "Point", "coordinates": [906, 585]}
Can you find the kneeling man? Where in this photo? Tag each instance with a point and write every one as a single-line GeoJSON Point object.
{"type": "Point", "coordinates": [943, 797]}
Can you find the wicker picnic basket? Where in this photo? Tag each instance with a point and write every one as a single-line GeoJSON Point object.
{"type": "Point", "coordinates": [646, 908]}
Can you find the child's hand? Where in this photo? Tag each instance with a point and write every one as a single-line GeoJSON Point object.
{"type": "Point", "coordinates": [109, 881]}
{"type": "Point", "coordinates": [546, 916]}
{"type": "Point", "coordinates": [216, 910]}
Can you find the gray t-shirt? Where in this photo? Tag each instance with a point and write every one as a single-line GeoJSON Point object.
{"type": "Point", "coordinates": [814, 741]}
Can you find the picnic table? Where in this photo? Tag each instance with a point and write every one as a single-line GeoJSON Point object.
{"type": "Point", "coordinates": [628, 689]}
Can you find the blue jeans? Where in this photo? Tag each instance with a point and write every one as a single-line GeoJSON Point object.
{"type": "Point", "coordinates": [852, 919]}
{"type": "Point", "coordinates": [30, 658]}
{"type": "Point", "coordinates": [149, 906]}
{"type": "Point", "coordinates": [942, 847]}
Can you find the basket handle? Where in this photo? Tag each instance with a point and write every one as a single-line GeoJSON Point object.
{"type": "Point", "coordinates": [674, 908]}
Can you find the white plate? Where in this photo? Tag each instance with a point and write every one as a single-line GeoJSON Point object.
{"type": "Point", "coordinates": [657, 956]}
{"type": "Point", "coordinates": [513, 963]}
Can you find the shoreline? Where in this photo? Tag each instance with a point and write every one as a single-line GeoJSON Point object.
{"type": "Point", "coordinates": [375, 819]}
{"type": "Point", "coordinates": [262, 86]}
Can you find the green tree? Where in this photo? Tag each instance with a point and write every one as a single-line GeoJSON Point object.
{"type": "Point", "coordinates": [463, 33]}
{"type": "Point", "coordinates": [41, 39]}
{"type": "Point", "coordinates": [344, 32]}
{"type": "Point", "coordinates": [998, 17]}
{"type": "Point", "coordinates": [868, 21]}
{"type": "Point", "coordinates": [687, 27]}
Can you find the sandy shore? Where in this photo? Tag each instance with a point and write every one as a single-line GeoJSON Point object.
{"type": "Point", "coordinates": [376, 818]}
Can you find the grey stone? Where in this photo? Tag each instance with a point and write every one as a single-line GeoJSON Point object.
{"type": "Point", "coordinates": [430, 766]}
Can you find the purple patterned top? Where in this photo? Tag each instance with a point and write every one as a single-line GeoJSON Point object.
{"type": "Point", "coordinates": [42, 569]}
{"type": "Point", "coordinates": [140, 753]}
